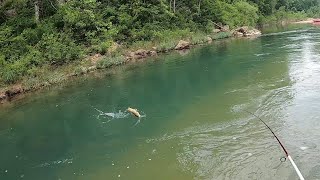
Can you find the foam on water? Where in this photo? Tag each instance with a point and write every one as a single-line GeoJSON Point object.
{"type": "Point", "coordinates": [62, 161]}
{"type": "Point", "coordinates": [118, 115]}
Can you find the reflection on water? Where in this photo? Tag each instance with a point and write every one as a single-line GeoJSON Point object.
{"type": "Point", "coordinates": [196, 128]}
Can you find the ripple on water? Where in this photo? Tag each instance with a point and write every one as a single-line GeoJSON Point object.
{"type": "Point", "coordinates": [262, 54]}
{"type": "Point", "coordinates": [286, 32]}
{"type": "Point", "coordinates": [213, 152]}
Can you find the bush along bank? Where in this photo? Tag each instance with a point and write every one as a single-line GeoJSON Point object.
{"type": "Point", "coordinates": [45, 42]}
{"type": "Point", "coordinates": [117, 55]}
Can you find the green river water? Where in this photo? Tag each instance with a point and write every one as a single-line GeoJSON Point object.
{"type": "Point", "coordinates": [195, 127]}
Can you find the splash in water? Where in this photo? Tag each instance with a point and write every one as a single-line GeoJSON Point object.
{"type": "Point", "coordinates": [139, 119]}
{"type": "Point", "coordinates": [119, 115]}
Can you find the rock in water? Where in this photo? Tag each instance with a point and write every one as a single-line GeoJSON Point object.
{"type": "Point", "coordinates": [14, 91]}
{"type": "Point", "coordinates": [152, 53]}
{"type": "Point", "coordinates": [3, 96]}
{"type": "Point", "coordinates": [246, 32]}
{"type": "Point", "coordinates": [182, 45]}
{"type": "Point", "coordinates": [225, 28]}
{"type": "Point", "coordinates": [216, 30]}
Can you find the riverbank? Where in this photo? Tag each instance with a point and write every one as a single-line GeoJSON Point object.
{"type": "Point", "coordinates": [307, 21]}
{"type": "Point", "coordinates": [117, 55]}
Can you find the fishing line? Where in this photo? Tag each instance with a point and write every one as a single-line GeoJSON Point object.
{"type": "Point", "coordinates": [283, 159]}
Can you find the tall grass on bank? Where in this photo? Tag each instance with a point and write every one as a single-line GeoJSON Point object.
{"type": "Point", "coordinates": [283, 17]}
{"type": "Point", "coordinates": [221, 35]}
{"type": "Point", "coordinates": [168, 39]}
{"type": "Point", "coordinates": [107, 62]}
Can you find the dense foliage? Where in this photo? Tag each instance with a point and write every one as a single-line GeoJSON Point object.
{"type": "Point", "coordinates": [54, 32]}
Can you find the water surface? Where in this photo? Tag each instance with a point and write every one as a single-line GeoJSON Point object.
{"type": "Point", "coordinates": [195, 125]}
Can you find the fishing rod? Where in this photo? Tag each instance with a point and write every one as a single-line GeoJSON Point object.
{"type": "Point", "coordinates": [282, 146]}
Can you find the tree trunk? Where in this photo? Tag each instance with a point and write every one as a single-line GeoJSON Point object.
{"type": "Point", "coordinates": [174, 6]}
{"type": "Point", "coordinates": [170, 5]}
{"type": "Point", "coordinates": [37, 11]}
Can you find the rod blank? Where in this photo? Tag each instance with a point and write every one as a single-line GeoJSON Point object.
{"type": "Point", "coordinates": [282, 146]}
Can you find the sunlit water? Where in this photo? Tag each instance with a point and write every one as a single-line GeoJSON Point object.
{"type": "Point", "coordinates": [195, 125]}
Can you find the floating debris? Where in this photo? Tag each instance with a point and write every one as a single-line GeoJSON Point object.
{"type": "Point", "coordinates": [149, 159]}
{"type": "Point", "coordinates": [128, 167]}
{"type": "Point", "coordinates": [303, 148]}
{"type": "Point", "coordinates": [119, 175]}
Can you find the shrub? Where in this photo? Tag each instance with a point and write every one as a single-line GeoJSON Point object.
{"type": "Point", "coordinates": [198, 38]}
{"type": "Point", "coordinates": [221, 35]}
{"type": "Point", "coordinates": [14, 47]}
{"type": "Point", "coordinates": [59, 48]}
{"type": "Point", "coordinates": [81, 17]}
{"type": "Point", "coordinates": [171, 35]}
{"type": "Point", "coordinates": [281, 15]}
{"type": "Point", "coordinates": [9, 76]}
{"type": "Point", "coordinates": [32, 36]}
{"type": "Point", "coordinates": [209, 27]}
{"type": "Point", "coordinates": [110, 61]}
{"type": "Point", "coordinates": [237, 14]}
{"type": "Point", "coordinates": [314, 12]}
{"type": "Point", "coordinates": [247, 14]}
{"type": "Point", "coordinates": [104, 46]}
{"type": "Point", "coordinates": [2, 61]}
{"type": "Point", "coordinates": [167, 45]}
{"type": "Point", "coordinates": [13, 72]}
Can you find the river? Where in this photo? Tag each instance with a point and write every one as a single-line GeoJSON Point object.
{"type": "Point", "coordinates": [195, 124]}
